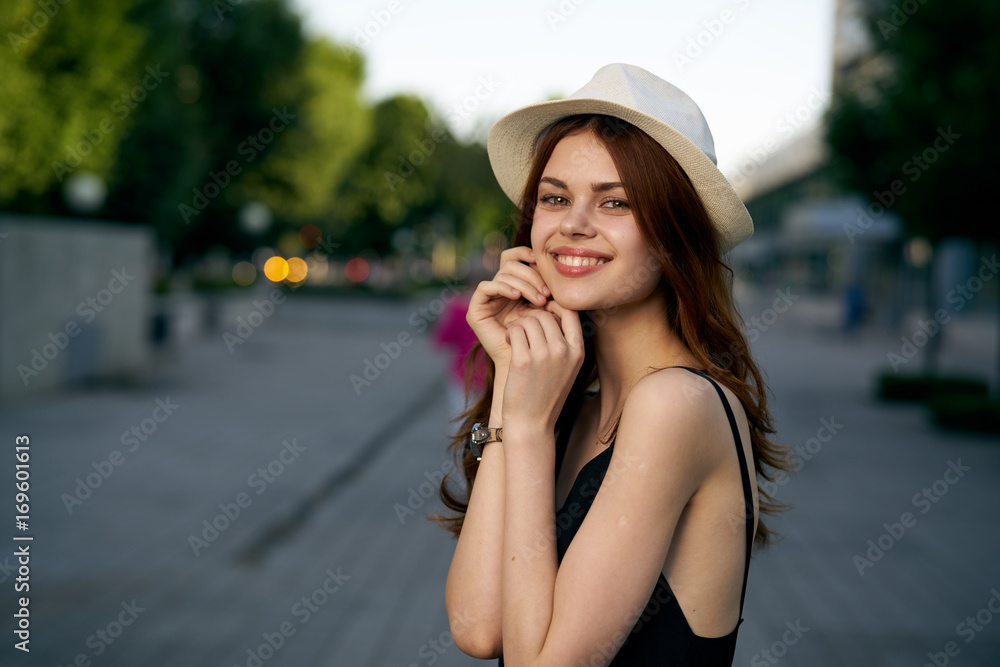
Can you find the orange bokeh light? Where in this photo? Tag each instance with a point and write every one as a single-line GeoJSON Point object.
{"type": "Point", "coordinates": [297, 269]}
{"type": "Point", "coordinates": [276, 269]}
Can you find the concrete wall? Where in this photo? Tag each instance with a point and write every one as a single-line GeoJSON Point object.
{"type": "Point", "coordinates": [74, 302]}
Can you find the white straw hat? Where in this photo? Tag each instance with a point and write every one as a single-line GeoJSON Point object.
{"type": "Point", "coordinates": [655, 106]}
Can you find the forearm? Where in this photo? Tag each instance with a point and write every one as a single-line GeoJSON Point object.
{"type": "Point", "coordinates": [529, 549]}
{"type": "Point", "coordinates": [472, 592]}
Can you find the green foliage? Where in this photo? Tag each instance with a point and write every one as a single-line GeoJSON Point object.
{"type": "Point", "coordinates": [471, 193]}
{"type": "Point", "coordinates": [212, 104]}
{"type": "Point", "coordinates": [930, 74]}
{"type": "Point", "coordinates": [395, 180]}
{"type": "Point", "coordinates": [300, 177]}
{"type": "Point", "coordinates": [392, 182]}
{"type": "Point", "coordinates": [62, 74]}
{"type": "Point", "coordinates": [198, 140]}
{"type": "Point", "coordinates": [414, 174]}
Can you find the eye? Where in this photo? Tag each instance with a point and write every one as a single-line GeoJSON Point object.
{"type": "Point", "coordinates": [554, 200]}
{"type": "Point", "coordinates": [616, 204]}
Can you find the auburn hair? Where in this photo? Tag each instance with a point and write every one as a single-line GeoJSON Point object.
{"type": "Point", "coordinates": [700, 308]}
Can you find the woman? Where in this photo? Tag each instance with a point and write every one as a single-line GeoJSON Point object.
{"type": "Point", "coordinates": [610, 520]}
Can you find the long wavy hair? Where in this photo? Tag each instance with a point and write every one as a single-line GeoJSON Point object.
{"type": "Point", "coordinates": [698, 288]}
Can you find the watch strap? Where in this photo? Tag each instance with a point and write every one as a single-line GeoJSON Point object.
{"type": "Point", "coordinates": [482, 435]}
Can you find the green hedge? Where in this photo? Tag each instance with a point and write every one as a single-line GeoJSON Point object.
{"type": "Point", "coordinates": [896, 387]}
{"type": "Point", "coordinates": [966, 413]}
{"type": "Point", "coordinates": [955, 401]}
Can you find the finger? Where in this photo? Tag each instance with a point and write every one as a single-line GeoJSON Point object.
{"type": "Point", "coordinates": [569, 322]}
{"type": "Point", "coordinates": [558, 311]}
{"type": "Point", "coordinates": [524, 287]}
{"type": "Point", "coordinates": [521, 309]}
{"type": "Point", "coordinates": [527, 273]}
{"type": "Point", "coordinates": [531, 310]}
{"type": "Point", "coordinates": [490, 289]}
{"type": "Point", "coordinates": [559, 343]}
{"type": "Point", "coordinates": [521, 253]}
{"type": "Point", "coordinates": [524, 272]}
{"type": "Point", "coordinates": [518, 310]}
{"type": "Point", "coordinates": [550, 325]}
{"type": "Point", "coordinates": [518, 343]}
{"type": "Point", "coordinates": [533, 332]}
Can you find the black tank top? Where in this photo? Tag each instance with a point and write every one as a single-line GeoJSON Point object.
{"type": "Point", "coordinates": [661, 635]}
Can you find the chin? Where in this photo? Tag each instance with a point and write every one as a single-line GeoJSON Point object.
{"type": "Point", "coordinates": [575, 300]}
{"type": "Point", "coordinates": [577, 297]}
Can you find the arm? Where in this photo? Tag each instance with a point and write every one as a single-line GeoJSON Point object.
{"type": "Point", "coordinates": [544, 361]}
{"type": "Point", "coordinates": [529, 549]}
{"type": "Point", "coordinates": [586, 607]}
{"type": "Point", "coordinates": [472, 592]}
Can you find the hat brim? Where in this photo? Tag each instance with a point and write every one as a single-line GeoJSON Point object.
{"type": "Point", "coordinates": [511, 143]}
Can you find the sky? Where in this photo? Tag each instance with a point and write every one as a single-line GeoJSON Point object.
{"type": "Point", "coordinates": [761, 70]}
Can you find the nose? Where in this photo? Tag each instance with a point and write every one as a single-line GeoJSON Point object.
{"type": "Point", "coordinates": [576, 221]}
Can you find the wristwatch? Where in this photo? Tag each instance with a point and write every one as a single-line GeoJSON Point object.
{"type": "Point", "coordinates": [482, 434]}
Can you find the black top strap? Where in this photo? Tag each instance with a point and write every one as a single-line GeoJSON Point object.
{"type": "Point", "coordinates": [744, 474]}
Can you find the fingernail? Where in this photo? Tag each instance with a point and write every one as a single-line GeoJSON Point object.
{"type": "Point", "coordinates": [541, 297]}
{"type": "Point", "coordinates": [545, 289]}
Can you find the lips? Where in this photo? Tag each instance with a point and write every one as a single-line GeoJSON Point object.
{"type": "Point", "coordinates": [577, 260]}
{"type": "Point", "coordinates": [571, 261]}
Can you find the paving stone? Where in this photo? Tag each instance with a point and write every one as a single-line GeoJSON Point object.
{"type": "Point", "coordinates": [331, 507]}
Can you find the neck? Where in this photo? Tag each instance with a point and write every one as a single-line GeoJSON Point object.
{"type": "Point", "coordinates": [629, 342]}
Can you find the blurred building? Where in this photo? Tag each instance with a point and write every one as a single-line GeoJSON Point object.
{"type": "Point", "coordinates": [75, 297]}
{"type": "Point", "coordinates": [808, 232]}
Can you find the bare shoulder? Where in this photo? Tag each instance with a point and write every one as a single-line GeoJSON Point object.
{"type": "Point", "coordinates": [672, 416]}
{"type": "Point", "coordinates": [686, 398]}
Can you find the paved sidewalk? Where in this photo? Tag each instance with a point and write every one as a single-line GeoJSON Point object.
{"type": "Point", "coordinates": [318, 568]}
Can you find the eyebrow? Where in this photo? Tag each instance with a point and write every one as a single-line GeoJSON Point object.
{"type": "Point", "coordinates": [596, 187]}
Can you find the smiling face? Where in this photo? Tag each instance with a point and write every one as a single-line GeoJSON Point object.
{"type": "Point", "coordinates": [587, 244]}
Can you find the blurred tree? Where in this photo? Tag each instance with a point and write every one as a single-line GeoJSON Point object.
{"type": "Point", "coordinates": [208, 105]}
{"type": "Point", "coordinates": [471, 195]}
{"type": "Point", "coordinates": [392, 183]}
{"type": "Point", "coordinates": [189, 109]}
{"type": "Point", "coordinates": [68, 73]}
{"type": "Point", "coordinates": [234, 90]}
{"type": "Point", "coordinates": [414, 171]}
{"type": "Point", "coordinates": [301, 176]}
{"type": "Point", "coordinates": [910, 125]}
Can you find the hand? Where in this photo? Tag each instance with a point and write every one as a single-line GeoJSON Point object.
{"type": "Point", "coordinates": [546, 355]}
{"type": "Point", "coordinates": [494, 304]}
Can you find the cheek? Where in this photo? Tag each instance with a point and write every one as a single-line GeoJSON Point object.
{"type": "Point", "coordinates": [536, 238]}
{"type": "Point", "coordinates": [541, 230]}
{"type": "Point", "coordinates": [652, 272]}
{"type": "Point", "coordinates": [538, 246]}
{"type": "Point", "coordinates": [643, 269]}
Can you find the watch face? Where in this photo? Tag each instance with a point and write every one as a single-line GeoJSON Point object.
{"type": "Point", "coordinates": [479, 433]}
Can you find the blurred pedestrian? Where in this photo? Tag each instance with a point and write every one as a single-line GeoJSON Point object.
{"type": "Point", "coordinates": [453, 333]}
{"type": "Point", "coordinates": [854, 306]}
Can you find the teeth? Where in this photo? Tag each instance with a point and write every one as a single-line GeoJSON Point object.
{"type": "Point", "coordinates": [576, 260]}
